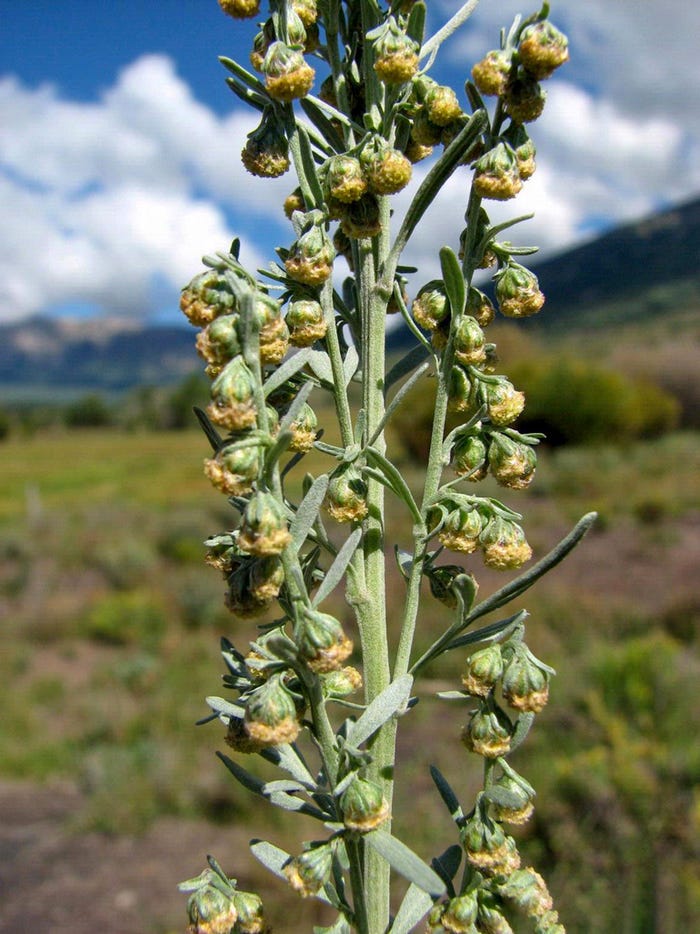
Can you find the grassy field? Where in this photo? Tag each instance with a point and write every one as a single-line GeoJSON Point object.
{"type": "Point", "coordinates": [110, 645]}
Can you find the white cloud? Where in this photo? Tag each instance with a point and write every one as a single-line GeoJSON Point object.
{"type": "Point", "coordinates": [103, 199]}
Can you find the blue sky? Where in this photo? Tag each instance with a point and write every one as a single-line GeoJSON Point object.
{"type": "Point", "coordinates": [119, 142]}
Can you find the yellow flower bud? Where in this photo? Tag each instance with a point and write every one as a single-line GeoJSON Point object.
{"type": "Point", "coordinates": [542, 49]}
{"type": "Point", "coordinates": [524, 99]}
{"type": "Point", "coordinates": [488, 732]}
{"type": "Point", "coordinates": [271, 714]}
{"type": "Point", "coordinates": [287, 74]}
{"type": "Point", "coordinates": [264, 529]}
{"type": "Point", "coordinates": [240, 9]}
{"type": "Point", "coordinates": [363, 805]}
{"type": "Point", "coordinates": [491, 73]}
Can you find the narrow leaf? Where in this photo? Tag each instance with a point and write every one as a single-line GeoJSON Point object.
{"type": "Point", "coordinates": [287, 758]}
{"type": "Point", "coordinates": [447, 864]}
{"type": "Point", "coordinates": [405, 365]}
{"type": "Point", "coordinates": [446, 793]}
{"type": "Point", "coordinates": [384, 706]}
{"type": "Point", "coordinates": [289, 368]}
{"type": "Point", "coordinates": [321, 365]}
{"type": "Point", "coordinates": [311, 107]}
{"type": "Point", "coordinates": [245, 76]}
{"type": "Point", "coordinates": [309, 507]}
{"type": "Point", "coordinates": [309, 166]}
{"type": "Point", "coordinates": [397, 400]}
{"type": "Point", "coordinates": [219, 705]}
{"type": "Point", "coordinates": [212, 434]}
{"type": "Point", "coordinates": [350, 364]}
{"type": "Point", "coordinates": [241, 775]}
{"type": "Point", "coordinates": [416, 23]}
{"type": "Point", "coordinates": [453, 278]}
{"type": "Point", "coordinates": [335, 572]}
{"type": "Point", "coordinates": [404, 861]}
{"type": "Point", "coordinates": [296, 406]}
{"type": "Point", "coordinates": [272, 857]}
{"type": "Point", "coordinates": [522, 728]}
{"type": "Point", "coordinates": [394, 480]}
{"type": "Point", "coordinates": [486, 633]}
{"type": "Point", "coordinates": [415, 906]}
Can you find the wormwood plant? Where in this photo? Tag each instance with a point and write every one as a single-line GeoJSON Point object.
{"type": "Point", "coordinates": [273, 338]}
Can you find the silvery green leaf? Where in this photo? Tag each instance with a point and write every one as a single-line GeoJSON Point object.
{"type": "Point", "coordinates": [350, 363]}
{"type": "Point", "coordinates": [522, 728]}
{"type": "Point", "coordinates": [282, 784]}
{"type": "Point", "coordinates": [291, 365]}
{"type": "Point", "coordinates": [451, 695]}
{"type": "Point", "coordinates": [487, 633]}
{"type": "Point", "coordinates": [404, 560]}
{"type": "Point", "coordinates": [335, 572]}
{"type": "Point", "coordinates": [453, 277]}
{"type": "Point", "coordinates": [321, 365]}
{"type": "Point", "coordinates": [415, 906]}
{"type": "Point", "coordinates": [405, 365]}
{"type": "Point", "coordinates": [382, 708]}
{"type": "Point", "coordinates": [415, 27]}
{"type": "Point", "coordinates": [446, 793]}
{"type": "Point", "coordinates": [293, 411]}
{"type": "Point", "coordinates": [272, 857]}
{"type": "Point", "coordinates": [221, 706]}
{"type": "Point", "coordinates": [291, 803]}
{"type": "Point", "coordinates": [242, 775]}
{"type": "Point", "coordinates": [213, 436]}
{"type": "Point", "coordinates": [503, 797]}
{"type": "Point", "coordinates": [309, 168]}
{"type": "Point", "coordinates": [308, 509]}
{"type": "Point", "coordinates": [287, 758]}
{"type": "Point", "coordinates": [447, 864]}
{"type": "Point", "coordinates": [404, 861]}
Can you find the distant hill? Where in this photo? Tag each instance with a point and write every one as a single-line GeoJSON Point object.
{"type": "Point", "coordinates": [637, 274]}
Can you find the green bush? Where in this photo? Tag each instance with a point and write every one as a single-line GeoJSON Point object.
{"type": "Point", "coordinates": [128, 618]}
{"type": "Point", "coordinates": [89, 411]}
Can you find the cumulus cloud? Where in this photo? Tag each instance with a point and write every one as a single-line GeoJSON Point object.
{"type": "Point", "coordinates": [104, 200]}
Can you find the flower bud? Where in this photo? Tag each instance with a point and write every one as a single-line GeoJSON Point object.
{"type": "Point", "coordinates": [518, 291]}
{"type": "Point", "coordinates": [524, 99]}
{"type": "Point", "coordinates": [221, 552]}
{"type": "Point", "coordinates": [287, 74]}
{"type": "Point", "coordinates": [294, 202]}
{"type": "Point", "coordinates": [484, 669]}
{"type": "Point", "coordinates": [321, 642]}
{"type": "Point", "coordinates": [273, 336]}
{"type": "Point", "coordinates": [491, 73]}
{"type": "Point", "coordinates": [511, 462]}
{"type": "Point", "coordinates": [395, 54]}
{"type": "Point", "coordinates": [525, 681]}
{"type": "Point", "coordinates": [233, 397]}
{"type": "Point", "coordinates": [469, 457]}
{"type": "Point", "coordinates": [459, 914]}
{"type": "Point", "coordinates": [206, 297]}
{"type": "Point", "coordinates": [461, 530]}
{"type": "Point", "coordinates": [306, 10]}
{"type": "Point", "coordinates": [441, 581]}
{"type": "Point", "coordinates": [488, 732]}
{"type": "Point", "coordinates": [431, 306]}
{"type": "Point", "coordinates": [306, 322]}
{"type": "Point", "coordinates": [265, 579]}
{"type": "Point", "coordinates": [343, 245]}
{"type": "Point", "coordinates": [496, 174]}
{"type": "Point", "coordinates": [363, 805]}
{"type": "Point", "coordinates": [487, 847]}
{"type": "Point", "coordinates": [304, 429]}
{"type": "Point", "coordinates": [479, 306]}
{"type": "Point", "coordinates": [310, 259]}
{"type": "Point", "coordinates": [362, 218]}
{"type": "Point", "coordinates": [309, 872]}
{"type": "Point", "coordinates": [264, 529]}
{"type": "Point", "coordinates": [528, 890]}
{"type": "Point", "coordinates": [416, 152]}
{"type": "Point", "coordinates": [344, 179]}
{"type": "Point", "coordinates": [210, 910]}
{"type": "Point", "coordinates": [469, 342]}
{"type": "Point", "coordinates": [441, 105]}
{"type": "Point", "coordinates": [266, 152]}
{"type": "Point", "coordinates": [504, 545]}
{"type": "Point", "coordinates": [524, 149]}
{"type": "Point", "coordinates": [548, 923]}
{"type": "Point", "coordinates": [459, 390]}
{"type": "Point", "coordinates": [271, 714]}
{"type": "Point", "coordinates": [512, 800]}
{"type": "Point", "coordinates": [542, 49]}
{"type": "Point", "coordinates": [250, 593]}
{"type": "Point", "coordinates": [234, 468]}
{"type": "Point", "coordinates": [503, 402]}
{"type": "Point", "coordinates": [341, 682]}
{"type": "Point", "coordinates": [251, 918]}
{"type": "Point", "coordinates": [424, 131]}
{"type": "Point", "coordinates": [240, 9]}
{"type": "Point", "coordinates": [387, 170]}
{"type": "Point", "coordinates": [346, 499]}
{"type": "Point", "coordinates": [492, 921]}
{"type": "Point", "coordinates": [218, 343]}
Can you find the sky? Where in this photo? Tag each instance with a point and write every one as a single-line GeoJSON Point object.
{"type": "Point", "coordinates": [120, 143]}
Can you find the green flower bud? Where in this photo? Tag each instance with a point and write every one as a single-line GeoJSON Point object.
{"type": "Point", "coordinates": [264, 529]}
{"type": "Point", "coordinates": [221, 552]}
{"type": "Point", "coordinates": [251, 918]}
{"type": "Point", "coordinates": [294, 202]}
{"type": "Point", "coordinates": [469, 457]}
{"type": "Point", "coordinates": [341, 682]}
{"type": "Point", "coordinates": [287, 74]}
{"type": "Point", "coordinates": [266, 152]}
{"type": "Point", "coordinates": [479, 306]}
{"type": "Point", "coordinates": [344, 179]}
{"type": "Point", "coordinates": [238, 739]}
{"type": "Point", "coordinates": [210, 907]}
{"type": "Point", "coordinates": [459, 390]}
{"type": "Point", "coordinates": [469, 342]}
{"type": "Point", "coordinates": [461, 530]}
{"type": "Point", "coordinates": [512, 800]}
{"type": "Point", "coordinates": [310, 259]}
{"type": "Point", "coordinates": [395, 54]}
{"type": "Point", "coordinates": [271, 714]}
{"type": "Point", "coordinates": [491, 73]}
{"type": "Point", "coordinates": [261, 43]}
{"type": "Point", "coordinates": [503, 401]}
{"type": "Point", "coordinates": [488, 732]}
{"type": "Point", "coordinates": [346, 499]}
{"type": "Point", "coordinates": [459, 914]}
{"type": "Point", "coordinates": [304, 429]}
{"type": "Point", "coordinates": [441, 105]}
{"type": "Point", "coordinates": [496, 174]}
{"type": "Point", "coordinates": [504, 545]}
{"type": "Point", "coordinates": [233, 397]}
{"type": "Point", "coordinates": [431, 306]}
{"type": "Point", "coordinates": [387, 170]}
{"type": "Point", "coordinates": [321, 642]}
{"type": "Point", "coordinates": [526, 889]}
{"type": "Point", "coordinates": [253, 586]}
{"type": "Point", "coordinates": [524, 99]}
{"type": "Point", "coordinates": [361, 218]}
{"type": "Point", "coordinates": [525, 681]}
{"type": "Point", "coordinates": [492, 921]}
{"type": "Point", "coordinates": [416, 152]}
{"type": "Point", "coordinates": [240, 9]}
{"type": "Point", "coordinates": [511, 462]}
{"type": "Point", "coordinates": [441, 580]}
{"type": "Point", "coordinates": [487, 847]}
{"type": "Point", "coordinates": [363, 805]}
{"type": "Point", "coordinates": [309, 872]}
{"type": "Point", "coordinates": [524, 149]}
{"type": "Point", "coordinates": [306, 322]}
{"type": "Point", "coordinates": [424, 131]}
{"type": "Point", "coordinates": [206, 297]}
{"type": "Point", "coordinates": [484, 669]}
{"type": "Point", "coordinates": [234, 468]}
{"type": "Point", "coordinates": [542, 49]}
{"type": "Point", "coordinates": [218, 343]}
{"type": "Point", "coordinates": [549, 924]}
{"type": "Point", "coordinates": [518, 291]}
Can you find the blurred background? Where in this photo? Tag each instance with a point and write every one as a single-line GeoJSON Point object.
{"type": "Point", "coordinates": [119, 168]}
